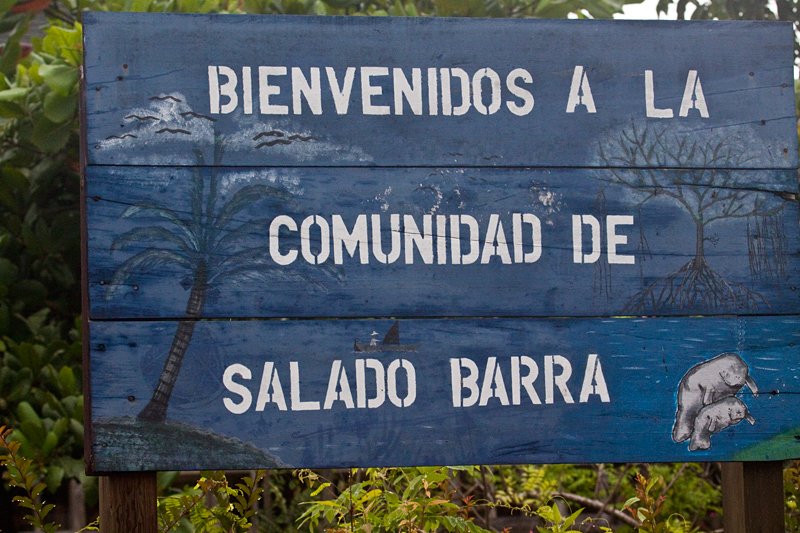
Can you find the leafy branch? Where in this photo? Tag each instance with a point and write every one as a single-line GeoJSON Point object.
{"type": "Point", "coordinates": [20, 474]}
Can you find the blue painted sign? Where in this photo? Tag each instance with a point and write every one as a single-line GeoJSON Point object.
{"type": "Point", "coordinates": [257, 210]}
{"type": "Point", "coordinates": [405, 242]}
{"type": "Point", "coordinates": [330, 393]}
{"type": "Point", "coordinates": [300, 91]}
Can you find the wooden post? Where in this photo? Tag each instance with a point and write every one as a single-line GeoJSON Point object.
{"type": "Point", "coordinates": [128, 503]}
{"type": "Point", "coordinates": [752, 497]}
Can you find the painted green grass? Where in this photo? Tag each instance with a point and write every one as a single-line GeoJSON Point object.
{"type": "Point", "coordinates": [785, 445]}
{"type": "Point", "coordinates": [128, 444]}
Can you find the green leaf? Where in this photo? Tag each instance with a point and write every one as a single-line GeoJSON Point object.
{"type": "Point", "coordinates": [67, 378]}
{"type": "Point", "coordinates": [58, 108]}
{"type": "Point", "coordinates": [15, 94]}
{"type": "Point", "coordinates": [5, 5]}
{"type": "Point", "coordinates": [631, 501]}
{"type": "Point", "coordinates": [11, 110]}
{"type": "Point", "coordinates": [26, 413]}
{"type": "Point", "coordinates": [49, 136]}
{"type": "Point", "coordinates": [54, 477]}
{"type": "Point", "coordinates": [61, 78]}
{"type": "Point", "coordinates": [34, 432]}
{"type": "Point", "coordinates": [320, 489]}
{"type": "Point", "coordinates": [12, 49]}
{"type": "Point", "coordinates": [50, 443]}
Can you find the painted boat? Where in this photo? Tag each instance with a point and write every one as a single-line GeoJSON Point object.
{"type": "Point", "coordinates": [390, 343]}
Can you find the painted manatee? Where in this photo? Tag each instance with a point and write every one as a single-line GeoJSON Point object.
{"type": "Point", "coordinates": [716, 417]}
{"type": "Point", "coordinates": [706, 383]}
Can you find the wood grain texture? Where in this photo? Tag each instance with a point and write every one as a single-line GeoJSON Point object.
{"type": "Point", "coordinates": [148, 89]}
{"type": "Point", "coordinates": [150, 229]}
{"type": "Point", "coordinates": [128, 503]}
{"type": "Point", "coordinates": [643, 362]}
{"type": "Point", "coordinates": [240, 242]}
{"type": "Point", "coordinates": [752, 497]}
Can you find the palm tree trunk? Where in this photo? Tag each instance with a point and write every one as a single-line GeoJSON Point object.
{"type": "Point", "coordinates": [156, 409]}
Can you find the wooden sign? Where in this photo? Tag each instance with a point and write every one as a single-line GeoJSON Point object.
{"type": "Point", "coordinates": [342, 242]}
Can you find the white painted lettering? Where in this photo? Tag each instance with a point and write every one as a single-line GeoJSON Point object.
{"type": "Point", "coordinates": [274, 240]}
{"type": "Point", "coordinates": [247, 91]}
{"type": "Point", "coordinates": [520, 256]}
{"type": "Point", "coordinates": [593, 381]}
{"type": "Point", "coordinates": [265, 91]}
{"type": "Point", "coordinates": [650, 98]}
{"type": "Point", "coordinates": [521, 93]}
{"type": "Point", "coordinates": [411, 382]}
{"type": "Point", "coordinates": [495, 243]}
{"type": "Point", "coordinates": [580, 93]}
{"type": "Point", "coordinates": [693, 96]}
{"type": "Point", "coordinates": [477, 91]}
{"type": "Point", "coordinates": [412, 93]}
{"type": "Point", "coordinates": [422, 241]}
{"type": "Point", "coordinates": [560, 381]}
{"type": "Point", "coordinates": [493, 384]}
{"type": "Point", "coordinates": [612, 221]}
{"type": "Point", "coordinates": [215, 90]}
{"type": "Point", "coordinates": [341, 97]}
{"type": "Point", "coordinates": [297, 403]}
{"type": "Point", "coordinates": [338, 387]}
{"type": "Point", "coordinates": [357, 239]}
{"type": "Point", "coordinates": [324, 240]}
{"type": "Point", "coordinates": [577, 239]}
{"type": "Point", "coordinates": [368, 91]}
{"type": "Point", "coordinates": [301, 88]}
{"type": "Point", "coordinates": [459, 382]}
{"type": "Point", "coordinates": [377, 247]}
{"type": "Point", "coordinates": [270, 380]}
{"type": "Point", "coordinates": [236, 388]}
{"type": "Point", "coordinates": [433, 93]}
{"type": "Point", "coordinates": [519, 382]}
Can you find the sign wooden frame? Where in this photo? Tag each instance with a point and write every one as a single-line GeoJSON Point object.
{"type": "Point", "coordinates": [404, 242]}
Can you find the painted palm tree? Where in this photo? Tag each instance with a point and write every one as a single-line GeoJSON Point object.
{"type": "Point", "coordinates": [212, 247]}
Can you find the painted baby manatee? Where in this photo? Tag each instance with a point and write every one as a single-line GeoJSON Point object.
{"type": "Point", "coordinates": [716, 417]}
{"type": "Point", "coordinates": [706, 383]}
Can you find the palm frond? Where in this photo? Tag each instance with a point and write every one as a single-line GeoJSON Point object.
{"type": "Point", "coordinates": [150, 233]}
{"type": "Point", "coordinates": [238, 259]}
{"type": "Point", "coordinates": [245, 196]}
{"type": "Point", "coordinates": [145, 260]}
{"type": "Point", "coordinates": [239, 235]}
{"type": "Point", "coordinates": [143, 209]}
{"type": "Point", "coordinates": [267, 271]}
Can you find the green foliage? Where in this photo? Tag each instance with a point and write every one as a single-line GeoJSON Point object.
{"type": "Point", "coordinates": [391, 499]}
{"type": "Point", "coordinates": [20, 474]}
{"type": "Point", "coordinates": [523, 486]}
{"type": "Point", "coordinates": [40, 353]}
{"type": "Point", "coordinates": [557, 523]}
{"type": "Point", "coordinates": [791, 486]}
{"type": "Point", "coordinates": [231, 512]}
{"type": "Point", "coordinates": [650, 507]}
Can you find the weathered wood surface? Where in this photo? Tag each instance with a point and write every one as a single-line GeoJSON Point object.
{"type": "Point", "coordinates": [149, 91]}
{"type": "Point", "coordinates": [144, 257]}
{"type": "Point", "coordinates": [189, 237]}
{"type": "Point", "coordinates": [128, 503]}
{"type": "Point", "coordinates": [643, 365]}
{"type": "Point", "coordinates": [752, 497]}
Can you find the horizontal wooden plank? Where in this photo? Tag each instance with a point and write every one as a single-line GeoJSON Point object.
{"type": "Point", "coordinates": [248, 90]}
{"type": "Point", "coordinates": [467, 242]}
{"type": "Point", "coordinates": [644, 371]}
